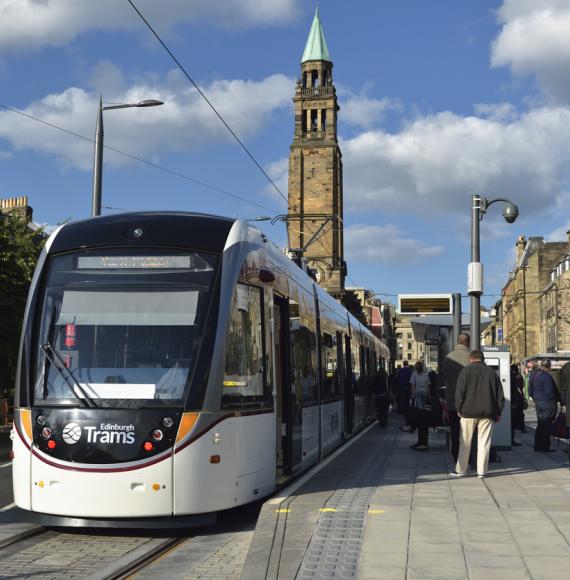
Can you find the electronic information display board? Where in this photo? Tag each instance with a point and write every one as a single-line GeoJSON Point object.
{"type": "Point", "coordinates": [425, 304]}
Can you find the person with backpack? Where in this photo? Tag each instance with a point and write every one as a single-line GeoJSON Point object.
{"type": "Point", "coordinates": [542, 389]}
{"type": "Point", "coordinates": [420, 397]}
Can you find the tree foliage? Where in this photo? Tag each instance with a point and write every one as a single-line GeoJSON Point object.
{"type": "Point", "coordinates": [20, 247]}
{"type": "Point", "coordinates": [351, 302]}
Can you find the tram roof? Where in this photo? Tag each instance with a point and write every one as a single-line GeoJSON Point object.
{"type": "Point", "coordinates": [163, 228]}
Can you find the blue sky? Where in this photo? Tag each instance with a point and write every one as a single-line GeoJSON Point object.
{"type": "Point", "coordinates": [439, 100]}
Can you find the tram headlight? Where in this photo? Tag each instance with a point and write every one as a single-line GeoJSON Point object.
{"type": "Point", "coordinates": [41, 420]}
{"type": "Point", "coordinates": [157, 435]}
{"type": "Point", "coordinates": [46, 432]}
{"type": "Point", "coordinates": [148, 446]}
{"type": "Point", "coordinates": [167, 422]}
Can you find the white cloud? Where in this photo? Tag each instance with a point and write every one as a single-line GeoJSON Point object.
{"type": "Point", "coordinates": [183, 123]}
{"type": "Point", "coordinates": [279, 173]}
{"type": "Point", "coordinates": [364, 111]}
{"type": "Point", "coordinates": [29, 24]}
{"type": "Point", "coordinates": [386, 244]}
{"type": "Point", "coordinates": [438, 161]}
{"type": "Point", "coordinates": [535, 39]}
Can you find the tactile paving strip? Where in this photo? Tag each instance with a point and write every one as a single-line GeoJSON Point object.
{"type": "Point", "coordinates": [334, 550]}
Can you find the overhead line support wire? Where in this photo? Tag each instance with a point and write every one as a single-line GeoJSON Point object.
{"type": "Point", "coordinates": [140, 159]}
{"type": "Point", "coordinates": [226, 125]}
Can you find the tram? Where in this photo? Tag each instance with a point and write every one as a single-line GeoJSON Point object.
{"type": "Point", "coordinates": [173, 365]}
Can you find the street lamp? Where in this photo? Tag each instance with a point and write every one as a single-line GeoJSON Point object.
{"type": "Point", "coordinates": [98, 161]}
{"type": "Point", "coordinates": [479, 207]}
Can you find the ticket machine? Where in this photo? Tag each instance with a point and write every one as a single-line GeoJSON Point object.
{"type": "Point", "coordinates": [499, 358]}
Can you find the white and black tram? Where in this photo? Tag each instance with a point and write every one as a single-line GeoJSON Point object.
{"type": "Point", "coordinates": [173, 365]}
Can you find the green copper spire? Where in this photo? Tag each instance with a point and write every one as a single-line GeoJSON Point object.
{"type": "Point", "coordinates": [316, 47]}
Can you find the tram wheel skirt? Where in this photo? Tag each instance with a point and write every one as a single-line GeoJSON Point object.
{"type": "Point", "coordinates": [162, 523]}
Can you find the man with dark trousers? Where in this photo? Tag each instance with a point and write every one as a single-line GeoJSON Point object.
{"type": "Point", "coordinates": [543, 391]}
{"type": "Point", "coordinates": [454, 363]}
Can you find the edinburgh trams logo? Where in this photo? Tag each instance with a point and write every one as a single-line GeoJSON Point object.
{"type": "Point", "coordinates": [71, 433]}
{"type": "Point", "coordinates": [104, 433]}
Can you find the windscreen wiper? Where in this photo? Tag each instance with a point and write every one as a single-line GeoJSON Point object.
{"type": "Point", "coordinates": [54, 358]}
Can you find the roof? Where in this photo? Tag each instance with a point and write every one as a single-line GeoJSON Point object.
{"type": "Point", "coordinates": [316, 47]}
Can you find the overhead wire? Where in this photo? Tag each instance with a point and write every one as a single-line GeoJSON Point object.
{"type": "Point", "coordinates": [141, 160]}
{"type": "Point", "coordinates": [210, 104]}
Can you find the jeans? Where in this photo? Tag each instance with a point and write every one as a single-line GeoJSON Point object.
{"type": "Point", "coordinates": [545, 413]}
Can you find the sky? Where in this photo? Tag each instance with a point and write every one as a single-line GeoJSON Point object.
{"type": "Point", "coordinates": [439, 100]}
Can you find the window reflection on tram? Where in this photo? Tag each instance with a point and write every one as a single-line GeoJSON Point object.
{"type": "Point", "coordinates": [121, 328]}
{"type": "Point", "coordinates": [303, 357]}
{"type": "Point", "coordinates": [245, 374]}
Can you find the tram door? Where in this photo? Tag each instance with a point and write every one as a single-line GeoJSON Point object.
{"type": "Point", "coordinates": [288, 408]}
{"type": "Point", "coordinates": [348, 388]}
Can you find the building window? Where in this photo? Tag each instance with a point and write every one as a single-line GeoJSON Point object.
{"type": "Point", "coordinates": [409, 335]}
{"type": "Point", "coordinates": [314, 119]}
{"type": "Point", "coordinates": [409, 346]}
{"type": "Point", "coordinates": [409, 356]}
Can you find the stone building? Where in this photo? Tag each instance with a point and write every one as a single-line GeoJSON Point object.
{"type": "Point", "coordinates": [492, 334]}
{"type": "Point", "coordinates": [535, 260]}
{"type": "Point", "coordinates": [315, 210]}
{"type": "Point", "coordinates": [554, 306]}
{"type": "Point", "coordinates": [407, 346]}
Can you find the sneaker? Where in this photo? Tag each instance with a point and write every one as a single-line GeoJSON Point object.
{"type": "Point", "coordinates": [406, 429]}
{"type": "Point", "coordinates": [420, 447]}
{"type": "Point", "coordinates": [456, 474]}
{"type": "Point", "coordinates": [480, 476]}
{"type": "Point", "coordinates": [516, 443]}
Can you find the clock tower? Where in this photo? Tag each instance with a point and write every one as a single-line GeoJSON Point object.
{"type": "Point", "coordinates": [315, 167]}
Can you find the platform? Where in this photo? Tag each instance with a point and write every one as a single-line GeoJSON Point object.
{"type": "Point", "coordinates": [380, 510]}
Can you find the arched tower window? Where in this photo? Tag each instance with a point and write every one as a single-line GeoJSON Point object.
{"type": "Point", "coordinates": [305, 79]}
{"type": "Point", "coordinates": [314, 78]}
{"type": "Point", "coordinates": [314, 119]}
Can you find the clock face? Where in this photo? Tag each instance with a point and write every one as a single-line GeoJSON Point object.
{"type": "Point", "coordinates": [319, 275]}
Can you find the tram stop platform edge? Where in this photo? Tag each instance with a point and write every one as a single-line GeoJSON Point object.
{"type": "Point", "coordinates": [379, 509]}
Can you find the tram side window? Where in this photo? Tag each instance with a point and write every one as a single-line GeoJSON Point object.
{"type": "Point", "coordinates": [244, 376]}
{"type": "Point", "coordinates": [331, 383]}
{"type": "Point", "coordinates": [303, 348]}
{"type": "Point", "coordinates": [356, 368]}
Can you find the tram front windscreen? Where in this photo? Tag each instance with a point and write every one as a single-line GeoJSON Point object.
{"type": "Point", "coordinates": [120, 328]}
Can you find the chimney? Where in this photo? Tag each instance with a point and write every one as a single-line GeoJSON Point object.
{"type": "Point", "coordinates": [17, 206]}
{"type": "Point", "coordinates": [521, 245]}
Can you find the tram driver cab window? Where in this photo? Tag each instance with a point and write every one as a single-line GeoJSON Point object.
{"type": "Point", "coordinates": [244, 373]}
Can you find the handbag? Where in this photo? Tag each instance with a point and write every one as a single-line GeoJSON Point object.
{"type": "Point", "coordinates": [559, 428]}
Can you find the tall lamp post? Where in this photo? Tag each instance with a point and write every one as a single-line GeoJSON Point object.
{"type": "Point", "coordinates": [479, 206]}
{"type": "Point", "coordinates": [99, 134]}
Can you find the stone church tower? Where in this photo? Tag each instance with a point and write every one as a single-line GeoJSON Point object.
{"type": "Point", "coordinates": [315, 167]}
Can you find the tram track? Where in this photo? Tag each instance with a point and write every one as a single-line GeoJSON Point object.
{"type": "Point", "coordinates": [128, 570]}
